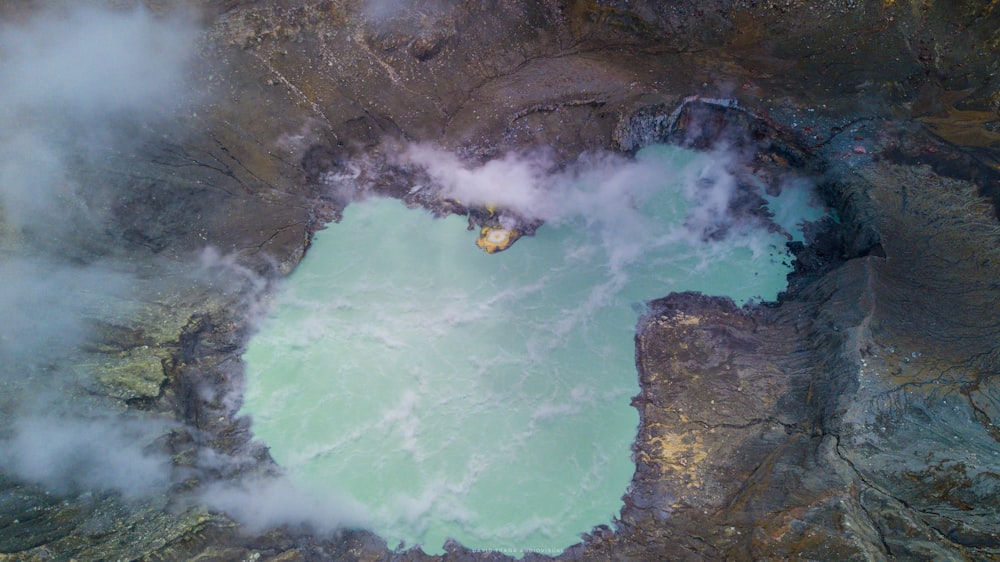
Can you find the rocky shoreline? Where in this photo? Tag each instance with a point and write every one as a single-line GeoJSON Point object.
{"type": "Point", "coordinates": [854, 419]}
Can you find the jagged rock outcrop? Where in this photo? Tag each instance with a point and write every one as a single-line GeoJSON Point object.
{"type": "Point", "coordinates": [856, 420]}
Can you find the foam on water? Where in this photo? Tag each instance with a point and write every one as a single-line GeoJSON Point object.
{"type": "Point", "coordinates": [482, 397]}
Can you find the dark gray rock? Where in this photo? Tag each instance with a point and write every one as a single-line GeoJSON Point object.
{"type": "Point", "coordinates": [854, 420]}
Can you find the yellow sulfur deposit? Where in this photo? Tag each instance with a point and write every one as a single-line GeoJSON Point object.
{"type": "Point", "coordinates": [492, 240]}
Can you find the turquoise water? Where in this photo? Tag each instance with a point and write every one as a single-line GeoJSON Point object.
{"type": "Point", "coordinates": [486, 397]}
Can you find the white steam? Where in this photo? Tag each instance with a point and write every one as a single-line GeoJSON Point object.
{"type": "Point", "coordinates": [516, 182]}
{"type": "Point", "coordinates": [262, 503]}
{"type": "Point", "coordinates": [604, 191]}
{"type": "Point", "coordinates": [598, 187]}
{"type": "Point", "coordinates": [68, 455]}
{"type": "Point", "coordinates": [44, 305]}
{"type": "Point", "coordinates": [88, 62]}
{"type": "Point", "coordinates": [70, 78]}
{"type": "Point", "coordinates": [78, 81]}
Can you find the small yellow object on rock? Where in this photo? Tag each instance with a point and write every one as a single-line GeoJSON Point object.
{"type": "Point", "coordinates": [492, 240]}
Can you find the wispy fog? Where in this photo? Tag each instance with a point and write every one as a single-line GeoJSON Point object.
{"type": "Point", "coordinates": [261, 503]}
{"type": "Point", "coordinates": [78, 80]}
{"type": "Point", "coordinates": [598, 187]}
{"type": "Point", "coordinates": [45, 304]}
{"type": "Point", "coordinates": [85, 63]}
{"type": "Point", "coordinates": [603, 190]}
{"type": "Point", "coordinates": [69, 453]}
{"type": "Point", "coordinates": [73, 80]}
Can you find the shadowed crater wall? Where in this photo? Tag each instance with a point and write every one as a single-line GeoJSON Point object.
{"type": "Point", "coordinates": [854, 419]}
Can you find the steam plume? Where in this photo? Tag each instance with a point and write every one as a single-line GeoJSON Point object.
{"type": "Point", "coordinates": [76, 80]}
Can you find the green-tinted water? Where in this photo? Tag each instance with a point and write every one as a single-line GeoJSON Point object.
{"type": "Point", "coordinates": [486, 397]}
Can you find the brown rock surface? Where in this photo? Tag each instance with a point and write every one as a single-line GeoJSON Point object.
{"type": "Point", "coordinates": [856, 420]}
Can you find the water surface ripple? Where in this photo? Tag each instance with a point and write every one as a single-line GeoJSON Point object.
{"type": "Point", "coordinates": [482, 397]}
